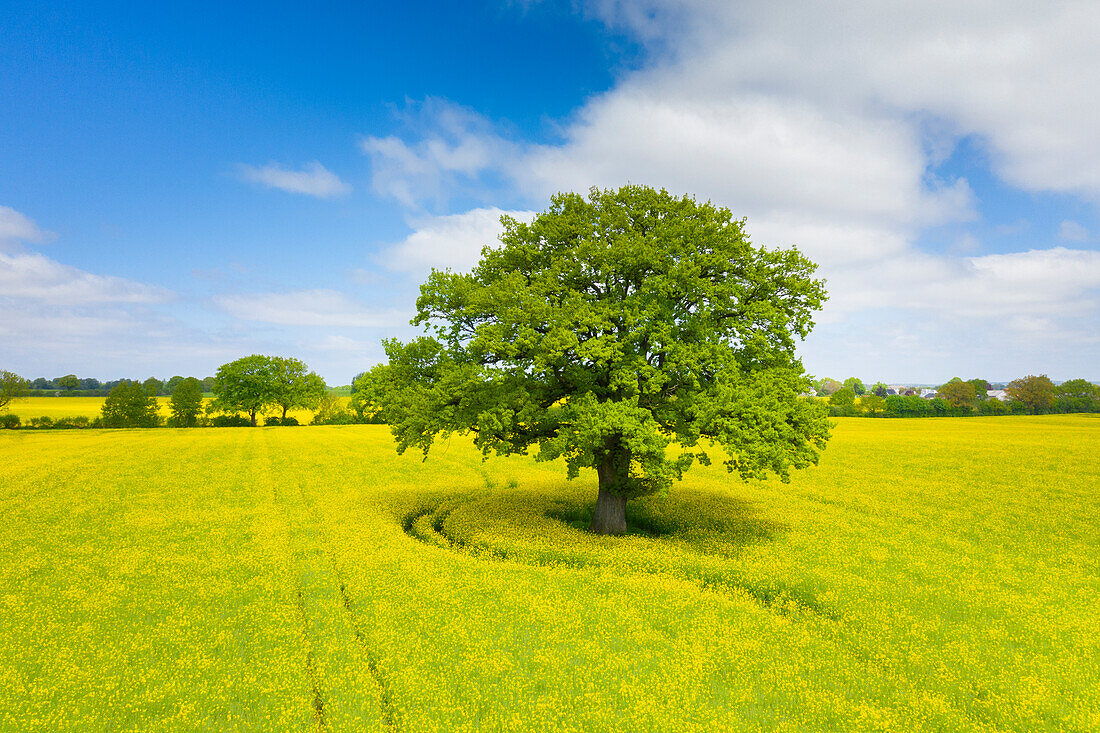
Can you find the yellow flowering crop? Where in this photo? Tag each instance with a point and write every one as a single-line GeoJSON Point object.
{"type": "Point", "coordinates": [928, 575]}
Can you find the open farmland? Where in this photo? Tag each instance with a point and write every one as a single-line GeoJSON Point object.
{"type": "Point", "coordinates": [56, 407]}
{"type": "Point", "coordinates": [928, 575]}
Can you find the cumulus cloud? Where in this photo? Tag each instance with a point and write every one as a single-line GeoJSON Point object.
{"type": "Point", "coordinates": [453, 241]}
{"type": "Point", "coordinates": [16, 227]}
{"type": "Point", "coordinates": [317, 308]}
{"type": "Point", "coordinates": [312, 180]}
{"type": "Point", "coordinates": [1019, 75]}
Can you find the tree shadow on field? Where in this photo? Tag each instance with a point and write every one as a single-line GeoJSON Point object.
{"type": "Point", "coordinates": [538, 526]}
{"type": "Point", "coordinates": [707, 523]}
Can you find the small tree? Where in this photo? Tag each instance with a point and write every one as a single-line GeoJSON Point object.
{"type": "Point", "coordinates": [1036, 393]}
{"type": "Point", "coordinates": [607, 329]}
{"type": "Point", "coordinates": [186, 402]}
{"type": "Point", "coordinates": [153, 386]}
{"type": "Point", "coordinates": [294, 386]}
{"type": "Point", "coordinates": [872, 404]}
{"type": "Point", "coordinates": [854, 384]}
{"type": "Point", "coordinates": [171, 384]}
{"type": "Point", "coordinates": [958, 394]}
{"type": "Point", "coordinates": [12, 387]}
{"type": "Point", "coordinates": [246, 385]}
{"type": "Point", "coordinates": [68, 382]}
{"type": "Point", "coordinates": [843, 397]}
{"type": "Point", "coordinates": [880, 389]}
{"type": "Point", "coordinates": [826, 386]}
{"type": "Point", "coordinates": [129, 406]}
{"type": "Point", "coordinates": [1078, 388]}
{"type": "Point", "coordinates": [981, 388]}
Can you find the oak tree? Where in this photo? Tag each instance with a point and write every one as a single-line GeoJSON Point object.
{"type": "Point", "coordinates": [606, 330]}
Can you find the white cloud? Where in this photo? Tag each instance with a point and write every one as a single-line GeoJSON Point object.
{"type": "Point", "coordinates": [454, 148]}
{"type": "Point", "coordinates": [31, 276]}
{"type": "Point", "coordinates": [1071, 231]}
{"type": "Point", "coordinates": [315, 308]}
{"type": "Point", "coordinates": [453, 241]}
{"type": "Point", "coordinates": [15, 227]}
{"type": "Point", "coordinates": [1020, 75]}
{"type": "Point", "coordinates": [313, 179]}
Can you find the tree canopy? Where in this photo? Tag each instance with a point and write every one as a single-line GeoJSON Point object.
{"type": "Point", "coordinates": [245, 385]}
{"type": "Point", "coordinates": [12, 387]}
{"type": "Point", "coordinates": [1035, 392]}
{"type": "Point", "coordinates": [186, 402]}
{"type": "Point", "coordinates": [129, 405]}
{"type": "Point", "coordinates": [957, 393]}
{"type": "Point", "coordinates": [294, 385]}
{"type": "Point", "coordinates": [603, 331]}
{"type": "Point", "coordinates": [251, 384]}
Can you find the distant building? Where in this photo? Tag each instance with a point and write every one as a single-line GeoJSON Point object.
{"type": "Point", "coordinates": [928, 394]}
{"type": "Point", "coordinates": [997, 394]}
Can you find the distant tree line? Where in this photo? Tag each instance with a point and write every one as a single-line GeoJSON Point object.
{"type": "Point", "coordinates": [73, 386]}
{"type": "Point", "coordinates": [1030, 395]}
{"type": "Point", "coordinates": [242, 390]}
{"type": "Point", "coordinates": [247, 388]}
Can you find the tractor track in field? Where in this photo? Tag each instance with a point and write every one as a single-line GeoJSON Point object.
{"type": "Point", "coordinates": [387, 711]}
{"type": "Point", "coordinates": [789, 603]}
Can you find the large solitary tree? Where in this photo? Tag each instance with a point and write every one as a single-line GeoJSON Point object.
{"type": "Point", "coordinates": [606, 330]}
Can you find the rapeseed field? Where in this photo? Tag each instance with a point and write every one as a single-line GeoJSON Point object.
{"type": "Point", "coordinates": [927, 575]}
{"type": "Point", "coordinates": [56, 407]}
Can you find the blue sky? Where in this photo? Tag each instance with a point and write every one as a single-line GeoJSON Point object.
{"type": "Point", "coordinates": [183, 185]}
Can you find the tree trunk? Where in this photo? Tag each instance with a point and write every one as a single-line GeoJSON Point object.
{"type": "Point", "coordinates": [610, 514]}
{"type": "Point", "coordinates": [284, 413]}
{"type": "Point", "coordinates": [252, 416]}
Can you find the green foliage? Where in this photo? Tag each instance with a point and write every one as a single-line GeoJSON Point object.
{"type": "Point", "coordinates": [172, 383]}
{"type": "Point", "coordinates": [276, 421]}
{"type": "Point", "coordinates": [9, 421]}
{"type": "Point", "coordinates": [872, 404]}
{"type": "Point", "coordinates": [606, 329]}
{"type": "Point", "coordinates": [826, 386]}
{"type": "Point", "coordinates": [69, 381]}
{"type": "Point", "coordinates": [980, 388]}
{"type": "Point", "coordinates": [854, 384]}
{"type": "Point", "coordinates": [153, 386]}
{"type": "Point", "coordinates": [294, 386]}
{"type": "Point", "coordinates": [229, 421]}
{"type": "Point", "coordinates": [245, 385]}
{"type": "Point", "coordinates": [1036, 393]}
{"type": "Point", "coordinates": [843, 397]}
{"type": "Point", "coordinates": [186, 403]}
{"type": "Point", "coordinates": [879, 389]}
{"type": "Point", "coordinates": [129, 405]}
{"type": "Point", "coordinates": [958, 394]}
{"type": "Point", "coordinates": [12, 387]}
{"type": "Point", "coordinates": [1078, 388]}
